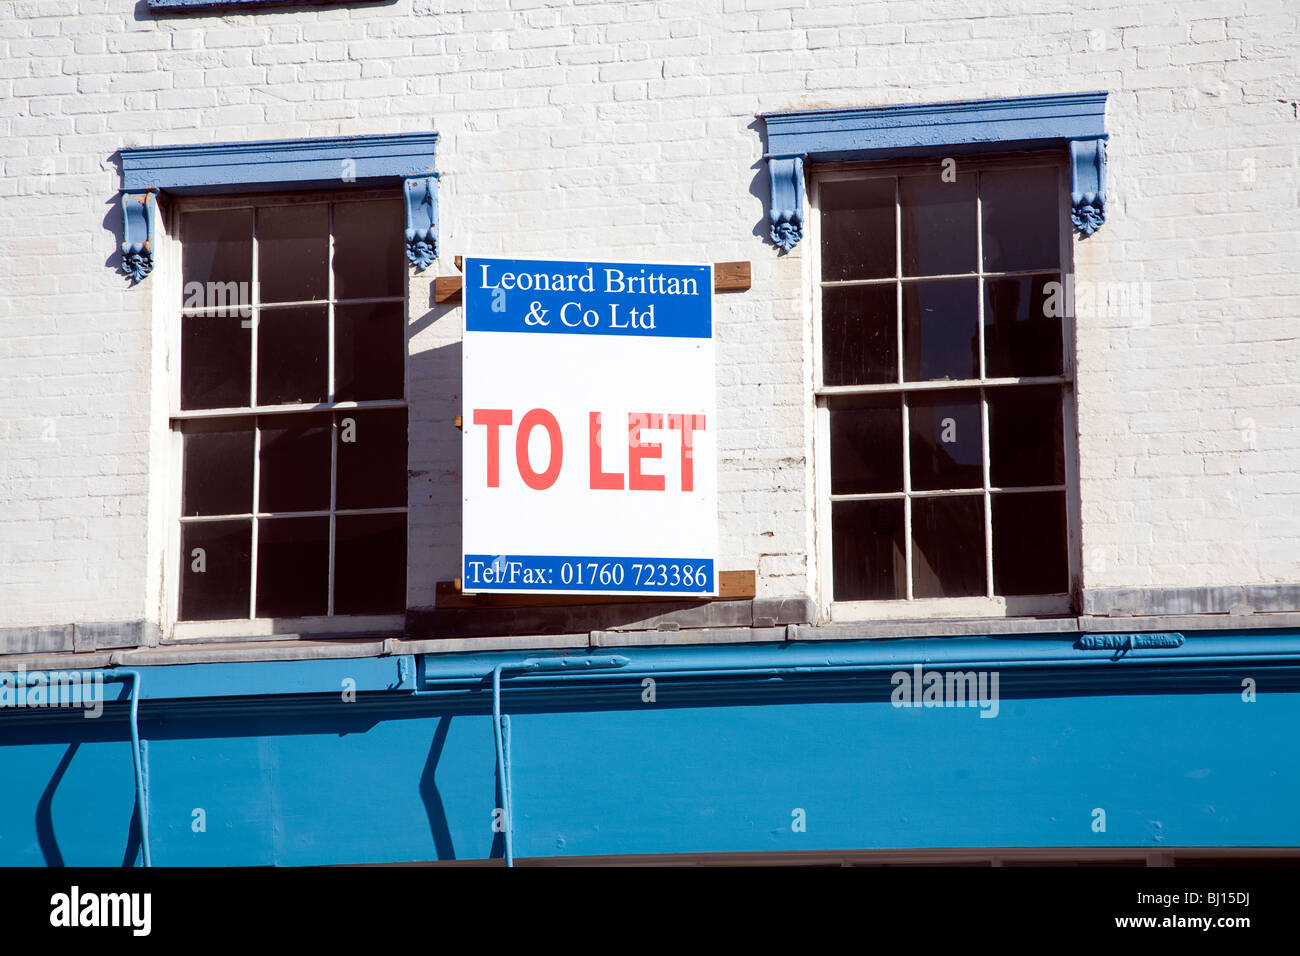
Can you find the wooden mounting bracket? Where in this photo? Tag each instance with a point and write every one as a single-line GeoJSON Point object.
{"type": "Point", "coordinates": [727, 277]}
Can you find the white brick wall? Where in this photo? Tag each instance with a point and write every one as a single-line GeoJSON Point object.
{"type": "Point", "coordinates": [627, 129]}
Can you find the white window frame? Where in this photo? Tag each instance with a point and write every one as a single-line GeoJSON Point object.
{"type": "Point", "coordinates": [988, 605]}
{"type": "Point", "coordinates": [167, 295]}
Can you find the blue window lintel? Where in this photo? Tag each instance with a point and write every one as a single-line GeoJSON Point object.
{"type": "Point", "coordinates": [327, 162]}
{"type": "Point", "coordinates": [932, 129]}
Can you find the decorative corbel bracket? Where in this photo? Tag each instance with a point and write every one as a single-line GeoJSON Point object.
{"type": "Point", "coordinates": [786, 209]}
{"type": "Point", "coordinates": [1088, 184]}
{"type": "Point", "coordinates": [422, 221]}
{"type": "Point", "coordinates": [138, 207]}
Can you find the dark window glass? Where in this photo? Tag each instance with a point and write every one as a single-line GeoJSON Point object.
{"type": "Point", "coordinates": [1025, 446]}
{"type": "Point", "coordinates": [293, 252]}
{"type": "Point", "coordinates": [947, 444]}
{"type": "Point", "coordinates": [292, 355]}
{"type": "Point", "coordinates": [369, 249]}
{"type": "Point", "coordinates": [216, 352]}
{"type": "Point", "coordinates": [857, 225]}
{"type": "Point", "coordinates": [1022, 325]}
{"type": "Point", "coordinates": [948, 546]}
{"type": "Point", "coordinates": [295, 463]}
{"type": "Point", "coordinates": [369, 351]}
{"type": "Point", "coordinates": [938, 224]}
{"type": "Point", "coordinates": [370, 564]}
{"type": "Point", "coordinates": [1021, 219]}
{"type": "Point", "coordinates": [218, 473]}
{"type": "Point", "coordinates": [215, 569]}
{"type": "Point", "coordinates": [1029, 543]}
{"type": "Point", "coordinates": [217, 258]}
{"type": "Point", "coordinates": [868, 550]}
{"type": "Point", "coordinates": [372, 458]}
{"type": "Point", "coordinates": [866, 445]}
{"type": "Point", "coordinates": [941, 330]}
{"type": "Point", "coordinates": [292, 567]}
{"type": "Point", "coordinates": [859, 335]}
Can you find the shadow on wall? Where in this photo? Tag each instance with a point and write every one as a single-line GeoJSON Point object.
{"type": "Point", "coordinates": [760, 186]}
{"type": "Point", "coordinates": [113, 222]}
{"type": "Point", "coordinates": [433, 462]}
{"type": "Point", "coordinates": [224, 8]}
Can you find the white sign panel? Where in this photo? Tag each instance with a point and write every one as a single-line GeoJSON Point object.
{"type": "Point", "coordinates": [590, 458]}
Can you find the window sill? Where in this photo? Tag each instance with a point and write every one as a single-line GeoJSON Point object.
{"type": "Point", "coordinates": [280, 629]}
{"type": "Point", "coordinates": [948, 608]}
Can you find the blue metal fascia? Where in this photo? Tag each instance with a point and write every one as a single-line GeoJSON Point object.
{"type": "Point", "coordinates": [331, 160]}
{"type": "Point", "coordinates": [271, 678]}
{"type": "Point", "coordinates": [826, 656]}
{"type": "Point", "coordinates": [139, 764]}
{"type": "Point", "coordinates": [472, 671]}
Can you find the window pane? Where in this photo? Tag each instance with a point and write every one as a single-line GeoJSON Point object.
{"type": "Point", "coordinates": [948, 546]}
{"type": "Point", "coordinates": [941, 329]}
{"type": "Point", "coordinates": [372, 458]}
{"type": "Point", "coordinates": [295, 463]}
{"type": "Point", "coordinates": [369, 351]}
{"type": "Point", "coordinates": [292, 249]}
{"type": "Point", "coordinates": [217, 254]}
{"type": "Point", "coordinates": [292, 355]}
{"type": "Point", "coordinates": [370, 564]}
{"type": "Point", "coordinates": [1025, 446]}
{"type": "Point", "coordinates": [938, 225]}
{"type": "Point", "coordinates": [218, 475]}
{"type": "Point", "coordinates": [1021, 225]}
{"type": "Point", "coordinates": [293, 564]}
{"type": "Point", "coordinates": [868, 551]}
{"type": "Point", "coordinates": [859, 335]}
{"type": "Point", "coordinates": [1022, 326]}
{"type": "Point", "coordinates": [857, 225]}
{"type": "Point", "coordinates": [216, 350]}
{"type": "Point", "coordinates": [215, 569]}
{"type": "Point", "coordinates": [1029, 543]}
{"type": "Point", "coordinates": [947, 445]}
{"type": "Point", "coordinates": [866, 445]}
{"type": "Point", "coordinates": [369, 249]}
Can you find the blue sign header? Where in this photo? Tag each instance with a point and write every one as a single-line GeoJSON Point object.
{"type": "Point", "coordinates": [588, 298]}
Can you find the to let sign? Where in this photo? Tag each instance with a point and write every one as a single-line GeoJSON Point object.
{"type": "Point", "coordinates": [589, 449]}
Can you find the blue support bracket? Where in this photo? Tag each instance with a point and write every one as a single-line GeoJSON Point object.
{"type": "Point", "coordinates": [422, 221]}
{"type": "Point", "coordinates": [786, 210]}
{"type": "Point", "coordinates": [138, 208]}
{"type": "Point", "coordinates": [1088, 184]}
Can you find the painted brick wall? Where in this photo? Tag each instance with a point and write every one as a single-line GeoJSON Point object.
{"type": "Point", "coordinates": [627, 129]}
